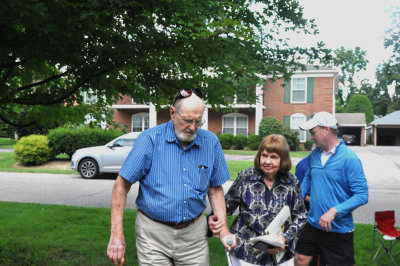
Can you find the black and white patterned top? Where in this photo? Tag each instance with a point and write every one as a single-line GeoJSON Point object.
{"type": "Point", "coordinates": [258, 206]}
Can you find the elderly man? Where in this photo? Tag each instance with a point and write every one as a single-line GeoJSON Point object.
{"type": "Point", "coordinates": [336, 184]}
{"type": "Point", "coordinates": [177, 165]}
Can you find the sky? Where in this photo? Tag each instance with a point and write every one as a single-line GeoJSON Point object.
{"type": "Point", "coordinates": [352, 23]}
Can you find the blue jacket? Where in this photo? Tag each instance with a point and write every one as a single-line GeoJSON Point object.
{"type": "Point", "coordinates": [341, 183]}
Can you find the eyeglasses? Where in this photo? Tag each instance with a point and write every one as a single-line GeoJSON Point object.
{"type": "Point", "coordinates": [187, 93]}
{"type": "Point", "coordinates": [197, 123]}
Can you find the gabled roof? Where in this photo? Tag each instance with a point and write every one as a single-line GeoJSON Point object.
{"type": "Point", "coordinates": [390, 119]}
{"type": "Point", "coordinates": [350, 119]}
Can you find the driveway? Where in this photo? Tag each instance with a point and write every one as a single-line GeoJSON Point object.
{"type": "Point", "coordinates": [383, 176]}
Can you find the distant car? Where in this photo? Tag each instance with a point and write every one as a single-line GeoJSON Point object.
{"type": "Point", "coordinates": [349, 139]}
{"type": "Point", "coordinates": [92, 161]}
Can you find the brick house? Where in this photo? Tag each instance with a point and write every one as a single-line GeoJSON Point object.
{"type": "Point", "coordinates": [291, 102]}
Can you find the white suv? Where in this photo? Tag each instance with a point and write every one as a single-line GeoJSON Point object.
{"type": "Point", "coordinates": [92, 161]}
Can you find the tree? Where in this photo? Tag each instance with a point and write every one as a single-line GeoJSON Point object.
{"type": "Point", "coordinates": [388, 72]}
{"type": "Point", "coordinates": [378, 95]}
{"type": "Point", "coordinates": [350, 61]}
{"type": "Point", "coordinates": [359, 103]}
{"type": "Point", "coordinates": [52, 52]}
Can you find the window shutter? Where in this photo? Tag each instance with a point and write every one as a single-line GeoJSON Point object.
{"type": "Point", "coordinates": [286, 87]}
{"type": "Point", "coordinates": [286, 121]}
{"type": "Point", "coordinates": [310, 90]}
{"type": "Point", "coordinates": [308, 134]}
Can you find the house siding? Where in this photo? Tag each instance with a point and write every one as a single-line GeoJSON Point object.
{"type": "Point", "coordinates": [276, 107]}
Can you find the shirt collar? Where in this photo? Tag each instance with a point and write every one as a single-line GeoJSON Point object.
{"type": "Point", "coordinates": [332, 151]}
{"type": "Point", "coordinates": [171, 136]}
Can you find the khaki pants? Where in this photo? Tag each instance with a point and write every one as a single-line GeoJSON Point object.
{"type": "Point", "coordinates": [159, 244]}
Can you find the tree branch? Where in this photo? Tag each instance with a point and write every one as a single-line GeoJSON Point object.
{"type": "Point", "coordinates": [22, 88]}
{"type": "Point", "coordinates": [7, 121]}
{"type": "Point", "coordinates": [63, 96]}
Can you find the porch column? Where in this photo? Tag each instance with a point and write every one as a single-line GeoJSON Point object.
{"type": "Point", "coordinates": [152, 115]}
{"type": "Point", "coordinates": [205, 118]}
{"type": "Point", "coordinates": [259, 106]}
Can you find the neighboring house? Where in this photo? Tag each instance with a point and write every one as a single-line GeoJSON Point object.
{"type": "Point", "coordinates": [386, 130]}
{"type": "Point", "coordinates": [352, 124]}
{"type": "Point", "coordinates": [292, 102]}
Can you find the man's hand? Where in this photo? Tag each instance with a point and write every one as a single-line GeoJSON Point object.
{"type": "Point", "coordinates": [326, 220]}
{"type": "Point", "coordinates": [215, 224]}
{"type": "Point", "coordinates": [116, 249]}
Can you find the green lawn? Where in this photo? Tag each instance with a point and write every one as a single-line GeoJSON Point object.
{"type": "Point", "coordinates": [6, 143]}
{"type": "Point", "coordinates": [40, 234]}
{"type": "Point", "coordinates": [7, 162]}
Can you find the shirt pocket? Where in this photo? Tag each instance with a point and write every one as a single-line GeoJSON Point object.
{"type": "Point", "coordinates": [201, 180]}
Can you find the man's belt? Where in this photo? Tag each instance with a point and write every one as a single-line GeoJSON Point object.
{"type": "Point", "coordinates": [174, 225]}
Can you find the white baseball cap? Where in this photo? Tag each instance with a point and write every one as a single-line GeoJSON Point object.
{"type": "Point", "coordinates": [323, 119]}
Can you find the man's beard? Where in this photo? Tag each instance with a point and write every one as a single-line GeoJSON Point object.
{"type": "Point", "coordinates": [182, 137]}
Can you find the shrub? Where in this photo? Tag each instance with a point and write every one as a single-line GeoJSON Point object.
{"type": "Point", "coordinates": [225, 140]}
{"type": "Point", "coordinates": [308, 145]}
{"type": "Point", "coordinates": [253, 141]}
{"type": "Point", "coordinates": [33, 150]}
{"type": "Point", "coordinates": [292, 138]}
{"type": "Point", "coordinates": [239, 142]}
{"type": "Point", "coordinates": [68, 140]}
{"type": "Point", "coordinates": [270, 125]}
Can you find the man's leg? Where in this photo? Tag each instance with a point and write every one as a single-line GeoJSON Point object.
{"type": "Point", "coordinates": [153, 241]}
{"type": "Point", "coordinates": [307, 245]}
{"type": "Point", "coordinates": [302, 260]}
{"type": "Point", "coordinates": [191, 244]}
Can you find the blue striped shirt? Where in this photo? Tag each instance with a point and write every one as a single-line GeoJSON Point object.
{"type": "Point", "coordinates": [174, 182]}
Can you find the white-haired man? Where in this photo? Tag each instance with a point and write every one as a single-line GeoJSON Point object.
{"type": "Point", "coordinates": [177, 165]}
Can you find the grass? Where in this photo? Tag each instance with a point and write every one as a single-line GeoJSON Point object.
{"type": "Point", "coordinates": [7, 162]}
{"type": "Point", "coordinates": [6, 143]}
{"type": "Point", "coordinates": [41, 234]}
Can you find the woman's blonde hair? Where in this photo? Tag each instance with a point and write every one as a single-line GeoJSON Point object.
{"type": "Point", "coordinates": [278, 144]}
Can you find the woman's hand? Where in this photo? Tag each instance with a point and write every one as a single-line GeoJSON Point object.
{"type": "Point", "coordinates": [278, 249]}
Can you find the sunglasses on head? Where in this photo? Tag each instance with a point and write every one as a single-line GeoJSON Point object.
{"type": "Point", "coordinates": [187, 93]}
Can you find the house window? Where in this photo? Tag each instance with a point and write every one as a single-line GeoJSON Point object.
{"type": "Point", "coordinates": [236, 124]}
{"type": "Point", "coordinates": [299, 90]}
{"type": "Point", "coordinates": [295, 121]}
{"type": "Point", "coordinates": [90, 98]}
{"type": "Point", "coordinates": [140, 122]}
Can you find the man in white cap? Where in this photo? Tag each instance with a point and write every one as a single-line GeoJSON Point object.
{"type": "Point", "coordinates": [336, 186]}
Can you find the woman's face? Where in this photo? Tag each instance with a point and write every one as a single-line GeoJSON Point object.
{"type": "Point", "coordinates": [270, 163]}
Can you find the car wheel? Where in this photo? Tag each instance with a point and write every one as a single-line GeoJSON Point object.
{"type": "Point", "coordinates": [88, 168]}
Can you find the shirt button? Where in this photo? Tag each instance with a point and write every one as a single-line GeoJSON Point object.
{"type": "Point", "coordinates": [184, 169]}
{"type": "Point", "coordinates": [185, 202]}
{"type": "Point", "coordinates": [184, 218]}
{"type": "Point", "coordinates": [185, 185]}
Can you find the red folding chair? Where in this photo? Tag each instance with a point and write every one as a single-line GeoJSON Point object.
{"type": "Point", "coordinates": [388, 235]}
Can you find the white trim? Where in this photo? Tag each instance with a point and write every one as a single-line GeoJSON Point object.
{"type": "Point", "coordinates": [352, 125]}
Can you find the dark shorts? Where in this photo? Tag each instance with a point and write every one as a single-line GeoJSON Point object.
{"type": "Point", "coordinates": [335, 248]}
